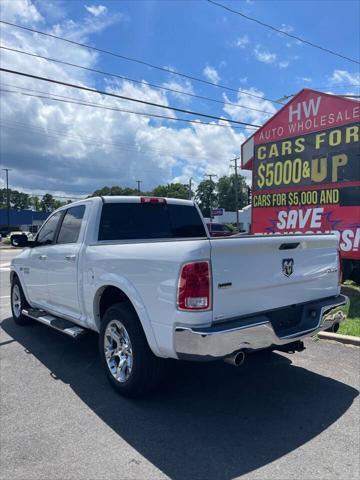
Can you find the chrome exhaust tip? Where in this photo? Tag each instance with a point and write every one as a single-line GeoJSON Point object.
{"type": "Point", "coordinates": [236, 359]}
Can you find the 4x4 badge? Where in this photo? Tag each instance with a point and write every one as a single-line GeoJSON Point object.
{"type": "Point", "coordinates": [288, 266]}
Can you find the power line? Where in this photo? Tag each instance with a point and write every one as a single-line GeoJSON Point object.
{"type": "Point", "coordinates": [84, 192]}
{"type": "Point", "coordinates": [92, 141]}
{"type": "Point", "coordinates": [56, 196]}
{"type": "Point", "coordinates": [90, 104]}
{"type": "Point", "coordinates": [68, 198]}
{"type": "Point", "coordinates": [142, 82]}
{"type": "Point", "coordinates": [35, 194]}
{"type": "Point", "coordinates": [338, 86]}
{"type": "Point", "coordinates": [278, 30]}
{"type": "Point", "coordinates": [141, 62]}
{"type": "Point", "coordinates": [286, 97]}
{"type": "Point", "coordinates": [123, 97]}
{"type": "Point", "coordinates": [351, 96]}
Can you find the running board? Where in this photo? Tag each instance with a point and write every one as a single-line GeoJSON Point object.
{"type": "Point", "coordinates": [60, 324]}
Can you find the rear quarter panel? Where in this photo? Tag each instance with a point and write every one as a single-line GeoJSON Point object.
{"type": "Point", "coordinates": [147, 272]}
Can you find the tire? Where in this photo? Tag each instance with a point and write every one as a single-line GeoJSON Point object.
{"type": "Point", "coordinates": [18, 302]}
{"type": "Point", "coordinates": [122, 340]}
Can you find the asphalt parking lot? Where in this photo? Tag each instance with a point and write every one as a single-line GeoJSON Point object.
{"type": "Point", "coordinates": [279, 416]}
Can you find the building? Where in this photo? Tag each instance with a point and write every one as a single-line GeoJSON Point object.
{"type": "Point", "coordinates": [245, 218]}
{"type": "Point", "coordinates": [23, 220]}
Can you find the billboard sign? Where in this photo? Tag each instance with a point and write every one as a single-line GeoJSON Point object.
{"type": "Point", "coordinates": [306, 170]}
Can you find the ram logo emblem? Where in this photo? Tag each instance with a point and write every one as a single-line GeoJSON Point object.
{"type": "Point", "coordinates": [288, 266]}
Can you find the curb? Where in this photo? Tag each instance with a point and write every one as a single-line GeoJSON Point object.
{"type": "Point", "coordinates": [345, 339]}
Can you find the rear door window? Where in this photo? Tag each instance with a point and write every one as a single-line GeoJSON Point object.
{"type": "Point", "coordinates": [186, 221]}
{"type": "Point", "coordinates": [131, 221]}
{"type": "Point", "coordinates": [70, 227]}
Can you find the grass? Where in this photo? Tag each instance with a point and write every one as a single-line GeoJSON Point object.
{"type": "Point", "coordinates": [351, 326]}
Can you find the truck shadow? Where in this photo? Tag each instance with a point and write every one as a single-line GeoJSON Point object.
{"type": "Point", "coordinates": [209, 421]}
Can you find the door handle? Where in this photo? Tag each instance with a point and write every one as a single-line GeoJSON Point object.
{"type": "Point", "coordinates": [70, 258]}
{"type": "Point", "coordinates": [43, 257]}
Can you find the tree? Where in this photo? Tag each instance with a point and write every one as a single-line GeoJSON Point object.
{"type": "Point", "coordinates": [18, 200]}
{"type": "Point", "coordinates": [48, 203]}
{"type": "Point", "coordinates": [172, 190]}
{"type": "Point", "coordinates": [35, 203]}
{"type": "Point", "coordinates": [115, 190]}
{"type": "Point", "coordinates": [206, 195]}
{"type": "Point", "coordinates": [226, 192]}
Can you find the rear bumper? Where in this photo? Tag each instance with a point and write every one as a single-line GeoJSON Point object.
{"type": "Point", "coordinates": [256, 332]}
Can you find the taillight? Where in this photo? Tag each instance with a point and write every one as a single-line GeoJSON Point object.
{"type": "Point", "coordinates": [152, 200]}
{"type": "Point", "coordinates": [194, 288]}
{"type": "Point", "coordinates": [340, 269]}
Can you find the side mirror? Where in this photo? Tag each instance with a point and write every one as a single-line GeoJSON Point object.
{"type": "Point", "coordinates": [19, 240]}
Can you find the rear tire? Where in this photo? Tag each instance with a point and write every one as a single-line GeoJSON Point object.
{"type": "Point", "coordinates": [18, 302]}
{"type": "Point", "coordinates": [130, 365]}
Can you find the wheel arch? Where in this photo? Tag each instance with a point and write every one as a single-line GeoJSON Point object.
{"type": "Point", "coordinates": [110, 294]}
{"type": "Point", "coordinates": [13, 276]}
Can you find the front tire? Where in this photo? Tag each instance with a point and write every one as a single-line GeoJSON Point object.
{"type": "Point", "coordinates": [18, 302]}
{"type": "Point", "coordinates": [130, 365]}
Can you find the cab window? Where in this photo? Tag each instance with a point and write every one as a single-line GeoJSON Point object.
{"type": "Point", "coordinates": [70, 227]}
{"type": "Point", "coordinates": [46, 235]}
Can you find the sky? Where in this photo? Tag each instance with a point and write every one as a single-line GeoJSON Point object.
{"type": "Point", "coordinates": [70, 150]}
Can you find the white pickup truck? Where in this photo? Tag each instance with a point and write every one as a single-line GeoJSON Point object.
{"type": "Point", "coordinates": [144, 273]}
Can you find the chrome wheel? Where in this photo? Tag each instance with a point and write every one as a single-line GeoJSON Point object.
{"type": "Point", "coordinates": [16, 300]}
{"type": "Point", "coordinates": [118, 351]}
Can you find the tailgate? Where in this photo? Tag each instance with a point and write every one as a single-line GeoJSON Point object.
{"type": "Point", "coordinates": [254, 274]}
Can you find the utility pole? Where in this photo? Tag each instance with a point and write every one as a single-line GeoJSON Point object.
{"type": "Point", "coordinates": [7, 170]}
{"type": "Point", "coordinates": [210, 175]}
{"type": "Point", "coordinates": [190, 185]}
{"type": "Point", "coordinates": [235, 166]}
{"type": "Point", "coordinates": [138, 185]}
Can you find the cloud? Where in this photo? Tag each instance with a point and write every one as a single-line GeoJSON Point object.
{"type": "Point", "coordinates": [96, 10]}
{"type": "Point", "coordinates": [343, 76]}
{"type": "Point", "coordinates": [264, 55]}
{"type": "Point", "coordinates": [67, 148]}
{"type": "Point", "coordinates": [286, 28]}
{"type": "Point", "coordinates": [180, 86]}
{"type": "Point", "coordinates": [270, 58]}
{"type": "Point", "coordinates": [255, 102]}
{"type": "Point", "coordinates": [241, 42]}
{"type": "Point", "coordinates": [20, 10]}
{"type": "Point", "coordinates": [211, 74]}
{"type": "Point", "coordinates": [305, 79]}
{"type": "Point", "coordinates": [283, 64]}
{"type": "Point", "coordinates": [80, 30]}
